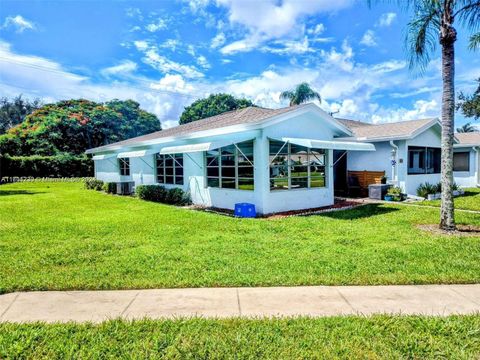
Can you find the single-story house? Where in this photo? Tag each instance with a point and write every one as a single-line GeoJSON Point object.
{"type": "Point", "coordinates": [466, 159]}
{"type": "Point", "coordinates": [410, 152]}
{"type": "Point", "coordinates": [277, 159]}
{"type": "Point", "coordinates": [282, 159]}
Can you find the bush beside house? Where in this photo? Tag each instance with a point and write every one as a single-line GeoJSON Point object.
{"type": "Point", "coordinates": [158, 193]}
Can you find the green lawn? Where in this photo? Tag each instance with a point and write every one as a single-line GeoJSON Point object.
{"type": "Point", "coordinates": [377, 337]}
{"type": "Point", "coordinates": [469, 201]}
{"type": "Point", "coordinates": [60, 236]}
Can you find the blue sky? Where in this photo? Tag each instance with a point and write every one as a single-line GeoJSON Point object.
{"type": "Point", "coordinates": [166, 54]}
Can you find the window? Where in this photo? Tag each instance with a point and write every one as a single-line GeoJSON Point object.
{"type": "Point", "coordinates": [295, 167]}
{"type": "Point", "coordinates": [124, 166]}
{"type": "Point", "coordinates": [231, 167]}
{"type": "Point", "coordinates": [461, 161]}
{"type": "Point", "coordinates": [170, 169]}
{"type": "Point", "coordinates": [424, 160]}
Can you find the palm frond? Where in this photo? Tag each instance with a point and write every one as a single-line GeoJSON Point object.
{"type": "Point", "coordinates": [474, 43]}
{"type": "Point", "coordinates": [468, 14]}
{"type": "Point", "coordinates": [287, 95]}
{"type": "Point", "coordinates": [422, 35]}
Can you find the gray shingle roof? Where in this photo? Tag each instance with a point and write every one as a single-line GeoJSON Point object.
{"type": "Point", "coordinates": [249, 115]}
{"type": "Point", "coordinates": [472, 138]}
{"type": "Point", "coordinates": [366, 131]}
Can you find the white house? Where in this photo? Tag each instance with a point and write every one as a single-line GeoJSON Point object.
{"type": "Point", "coordinates": [409, 152]}
{"type": "Point", "coordinates": [278, 159]}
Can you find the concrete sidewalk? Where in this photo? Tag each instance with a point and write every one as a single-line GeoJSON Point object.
{"type": "Point", "coordinates": [96, 306]}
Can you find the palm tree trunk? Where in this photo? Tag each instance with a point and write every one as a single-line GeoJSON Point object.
{"type": "Point", "coordinates": [447, 219]}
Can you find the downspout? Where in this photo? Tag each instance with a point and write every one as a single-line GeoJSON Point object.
{"type": "Point", "coordinates": [394, 165]}
{"type": "Point", "coordinates": [477, 151]}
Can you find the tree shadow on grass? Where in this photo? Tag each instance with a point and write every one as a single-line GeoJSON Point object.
{"type": "Point", "coordinates": [18, 192]}
{"type": "Point", "coordinates": [469, 193]}
{"type": "Point", "coordinates": [359, 212]}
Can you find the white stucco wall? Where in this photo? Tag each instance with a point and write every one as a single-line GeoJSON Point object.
{"type": "Point", "coordinates": [468, 178]}
{"type": "Point", "coordinates": [303, 126]}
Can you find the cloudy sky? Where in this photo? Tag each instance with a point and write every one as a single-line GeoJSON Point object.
{"type": "Point", "coordinates": [166, 54]}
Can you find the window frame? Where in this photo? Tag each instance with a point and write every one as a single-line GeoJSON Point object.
{"type": "Point", "coordinates": [467, 153]}
{"type": "Point", "coordinates": [290, 164]}
{"type": "Point", "coordinates": [175, 165]}
{"type": "Point", "coordinates": [237, 179]}
{"type": "Point", "coordinates": [427, 160]}
{"type": "Point", "coordinates": [124, 166]}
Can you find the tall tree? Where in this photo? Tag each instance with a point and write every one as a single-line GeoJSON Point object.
{"type": "Point", "coordinates": [466, 128]}
{"type": "Point", "coordinates": [14, 111]}
{"type": "Point", "coordinates": [301, 94]}
{"type": "Point", "coordinates": [73, 126]}
{"type": "Point", "coordinates": [470, 105]}
{"type": "Point", "coordinates": [433, 23]}
{"type": "Point", "coordinates": [213, 105]}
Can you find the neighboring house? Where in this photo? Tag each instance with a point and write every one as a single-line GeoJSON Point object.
{"type": "Point", "coordinates": [278, 159]}
{"type": "Point", "coordinates": [466, 159]}
{"type": "Point", "coordinates": [408, 151]}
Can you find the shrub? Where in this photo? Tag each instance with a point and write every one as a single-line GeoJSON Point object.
{"type": "Point", "coordinates": [158, 193]}
{"type": "Point", "coordinates": [425, 189]}
{"type": "Point", "coordinates": [93, 184]}
{"type": "Point", "coordinates": [110, 187]}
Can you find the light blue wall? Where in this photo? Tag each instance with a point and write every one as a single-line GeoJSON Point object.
{"type": "Point", "coordinates": [468, 178]}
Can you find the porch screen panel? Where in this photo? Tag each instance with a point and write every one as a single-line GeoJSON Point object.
{"type": "Point", "coordinates": [231, 167]}
{"type": "Point", "coordinates": [295, 167]}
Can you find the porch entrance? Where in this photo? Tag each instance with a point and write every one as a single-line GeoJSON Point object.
{"type": "Point", "coordinates": [340, 183]}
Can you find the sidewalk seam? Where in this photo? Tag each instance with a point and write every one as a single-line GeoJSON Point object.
{"type": "Point", "coordinates": [238, 302]}
{"type": "Point", "coordinates": [9, 305]}
{"type": "Point", "coordinates": [345, 299]}
{"type": "Point", "coordinates": [130, 303]}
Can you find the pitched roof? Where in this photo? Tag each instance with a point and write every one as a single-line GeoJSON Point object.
{"type": "Point", "coordinates": [249, 115]}
{"type": "Point", "coordinates": [401, 129]}
{"type": "Point", "coordinates": [472, 138]}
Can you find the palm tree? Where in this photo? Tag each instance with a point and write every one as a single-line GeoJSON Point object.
{"type": "Point", "coordinates": [466, 128]}
{"type": "Point", "coordinates": [432, 23]}
{"type": "Point", "coordinates": [301, 94]}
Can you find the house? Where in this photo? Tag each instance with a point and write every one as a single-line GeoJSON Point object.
{"type": "Point", "coordinates": [277, 159]}
{"type": "Point", "coordinates": [407, 151]}
{"type": "Point", "coordinates": [466, 159]}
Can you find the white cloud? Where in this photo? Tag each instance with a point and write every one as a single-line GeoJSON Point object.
{"type": "Point", "coordinates": [369, 39]}
{"type": "Point", "coordinates": [203, 62]}
{"type": "Point", "coordinates": [421, 109]}
{"type": "Point", "coordinates": [170, 44]}
{"type": "Point", "coordinates": [218, 40]}
{"type": "Point", "coordinates": [317, 30]}
{"type": "Point", "coordinates": [141, 45]}
{"type": "Point", "coordinates": [160, 24]}
{"type": "Point", "coordinates": [165, 65]}
{"type": "Point", "coordinates": [386, 19]}
{"type": "Point", "coordinates": [19, 23]}
{"type": "Point", "coordinates": [125, 67]}
{"type": "Point", "coordinates": [272, 19]}
{"type": "Point", "coordinates": [288, 47]}
{"type": "Point", "coordinates": [175, 83]}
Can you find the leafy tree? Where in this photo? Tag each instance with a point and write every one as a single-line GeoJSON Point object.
{"type": "Point", "coordinates": [470, 105]}
{"type": "Point", "coordinates": [301, 94]}
{"type": "Point", "coordinates": [466, 128]}
{"type": "Point", "coordinates": [433, 23]}
{"type": "Point", "coordinates": [72, 126]}
{"type": "Point", "coordinates": [213, 105]}
{"type": "Point", "coordinates": [13, 112]}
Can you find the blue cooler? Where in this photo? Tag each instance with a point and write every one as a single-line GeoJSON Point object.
{"type": "Point", "coordinates": [245, 210]}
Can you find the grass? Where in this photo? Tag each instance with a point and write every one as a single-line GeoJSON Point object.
{"type": "Point", "coordinates": [469, 201]}
{"type": "Point", "coordinates": [378, 337]}
{"type": "Point", "coordinates": [58, 236]}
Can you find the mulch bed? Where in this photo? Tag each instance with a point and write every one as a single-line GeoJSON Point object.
{"type": "Point", "coordinates": [462, 230]}
{"type": "Point", "coordinates": [338, 205]}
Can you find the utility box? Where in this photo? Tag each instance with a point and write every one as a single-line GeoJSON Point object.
{"type": "Point", "coordinates": [245, 210]}
{"type": "Point", "coordinates": [125, 187]}
{"type": "Point", "coordinates": [378, 191]}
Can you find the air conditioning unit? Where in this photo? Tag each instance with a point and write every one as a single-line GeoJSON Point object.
{"type": "Point", "coordinates": [125, 188]}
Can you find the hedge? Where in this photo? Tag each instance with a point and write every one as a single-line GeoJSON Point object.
{"type": "Point", "coordinates": [158, 193]}
{"type": "Point", "coordinates": [46, 166]}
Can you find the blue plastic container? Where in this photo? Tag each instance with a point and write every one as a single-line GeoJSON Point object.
{"type": "Point", "coordinates": [245, 210]}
